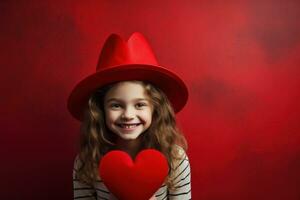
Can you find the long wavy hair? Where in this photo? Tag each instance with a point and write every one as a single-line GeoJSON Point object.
{"type": "Point", "coordinates": [96, 139]}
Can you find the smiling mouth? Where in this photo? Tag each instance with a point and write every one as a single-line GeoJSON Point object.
{"type": "Point", "coordinates": [128, 126]}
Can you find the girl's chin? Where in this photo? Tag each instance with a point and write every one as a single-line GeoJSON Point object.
{"type": "Point", "coordinates": [128, 136]}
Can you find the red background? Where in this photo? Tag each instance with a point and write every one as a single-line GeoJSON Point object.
{"type": "Point", "coordinates": [240, 61]}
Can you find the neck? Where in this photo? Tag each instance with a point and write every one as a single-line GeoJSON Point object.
{"type": "Point", "coordinates": [132, 147]}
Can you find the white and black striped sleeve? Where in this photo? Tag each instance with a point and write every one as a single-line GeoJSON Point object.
{"type": "Point", "coordinates": [81, 190]}
{"type": "Point", "coordinates": [182, 180]}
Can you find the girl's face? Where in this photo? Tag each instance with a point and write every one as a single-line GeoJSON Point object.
{"type": "Point", "coordinates": [128, 111]}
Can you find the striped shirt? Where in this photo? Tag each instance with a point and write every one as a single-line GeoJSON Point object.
{"type": "Point", "coordinates": [182, 180]}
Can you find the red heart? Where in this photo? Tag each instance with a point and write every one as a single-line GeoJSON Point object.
{"type": "Point", "coordinates": [129, 180]}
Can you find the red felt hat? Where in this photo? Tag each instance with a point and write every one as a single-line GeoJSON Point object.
{"type": "Point", "coordinates": [122, 61]}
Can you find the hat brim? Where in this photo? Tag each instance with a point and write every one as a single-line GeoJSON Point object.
{"type": "Point", "coordinates": [171, 84]}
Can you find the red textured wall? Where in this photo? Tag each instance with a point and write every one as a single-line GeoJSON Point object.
{"type": "Point", "coordinates": [241, 63]}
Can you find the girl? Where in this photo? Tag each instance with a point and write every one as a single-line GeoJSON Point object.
{"type": "Point", "coordinates": [129, 104]}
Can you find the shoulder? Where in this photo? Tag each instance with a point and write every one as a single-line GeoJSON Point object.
{"type": "Point", "coordinates": [182, 161]}
{"type": "Point", "coordinates": [181, 176]}
{"type": "Point", "coordinates": [77, 161]}
{"type": "Point", "coordinates": [180, 152]}
{"type": "Point", "coordinates": [181, 165]}
{"type": "Point", "coordinates": [76, 166]}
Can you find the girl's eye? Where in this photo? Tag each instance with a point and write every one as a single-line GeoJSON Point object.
{"type": "Point", "coordinates": [140, 104]}
{"type": "Point", "coordinates": [114, 105]}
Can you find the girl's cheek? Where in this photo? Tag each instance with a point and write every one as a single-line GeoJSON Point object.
{"type": "Point", "coordinates": [110, 115]}
{"type": "Point", "coordinates": [117, 114]}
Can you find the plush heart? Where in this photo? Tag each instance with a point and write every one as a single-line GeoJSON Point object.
{"type": "Point", "coordinates": [137, 180]}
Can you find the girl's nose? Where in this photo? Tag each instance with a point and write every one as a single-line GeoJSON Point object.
{"type": "Point", "coordinates": [128, 114]}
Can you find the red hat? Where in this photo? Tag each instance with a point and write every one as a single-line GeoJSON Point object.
{"type": "Point", "coordinates": [123, 61]}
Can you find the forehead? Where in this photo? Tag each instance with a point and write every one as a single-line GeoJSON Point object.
{"type": "Point", "coordinates": [126, 91]}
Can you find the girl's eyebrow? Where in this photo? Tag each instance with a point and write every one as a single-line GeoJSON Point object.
{"type": "Point", "coordinates": [136, 99]}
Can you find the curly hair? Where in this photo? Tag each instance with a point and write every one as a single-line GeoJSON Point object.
{"type": "Point", "coordinates": [96, 140]}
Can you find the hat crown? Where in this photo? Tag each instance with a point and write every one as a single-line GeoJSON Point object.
{"type": "Point", "coordinates": [123, 61]}
{"type": "Point", "coordinates": [116, 52]}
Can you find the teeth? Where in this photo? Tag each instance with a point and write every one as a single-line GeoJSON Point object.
{"type": "Point", "coordinates": [128, 126]}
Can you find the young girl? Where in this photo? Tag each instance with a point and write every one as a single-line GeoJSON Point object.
{"type": "Point", "coordinates": [129, 104]}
